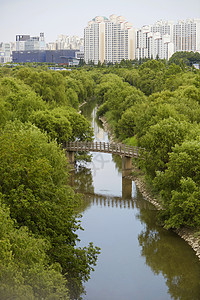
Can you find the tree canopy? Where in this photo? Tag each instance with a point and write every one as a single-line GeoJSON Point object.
{"type": "Point", "coordinates": [156, 105]}
{"type": "Point", "coordinates": [38, 230]}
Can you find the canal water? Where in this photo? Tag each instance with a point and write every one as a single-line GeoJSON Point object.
{"type": "Point", "coordinates": [139, 260]}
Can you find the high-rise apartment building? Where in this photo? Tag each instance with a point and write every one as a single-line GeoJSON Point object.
{"type": "Point", "coordinates": [164, 27]}
{"type": "Point", "coordinates": [109, 40]}
{"type": "Point", "coordinates": [164, 38]}
{"type": "Point", "coordinates": [154, 41]}
{"type": "Point", "coordinates": [186, 35]}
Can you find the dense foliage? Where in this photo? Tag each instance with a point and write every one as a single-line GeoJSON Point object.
{"type": "Point", "coordinates": [40, 257]}
{"type": "Point", "coordinates": [188, 58]}
{"type": "Point", "coordinates": [156, 105]}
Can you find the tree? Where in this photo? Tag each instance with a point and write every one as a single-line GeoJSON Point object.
{"type": "Point", "coordinates": [184, 206]}
{"type": "Point", "coordinates": [158, 143]}
{"type": "Point", "coordinates": [126, 125]}
{"type": "Point", "coordinates": [188, 58]}
{"type": "Point", "coordinates": [81, 62]}
{"type": "Point", "coordinates": [25, 272]}
{"type": "Point", "coordinates": [33, 176]}
{"type": "Point", "coordinates": [50, 85]}
{"type": "Point", "coordinates": [18, 100]}
{"type": "Point", "coordinates": [55, 123]}
{"type": "Point", "coordinates": [107, 83]}
{"type": "Point", "coordinates": [151, 77]}
{"type": "Point", "coordinates": [179, 185]}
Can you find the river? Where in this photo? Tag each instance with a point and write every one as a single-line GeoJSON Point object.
{"type": "Point", "coordinates": [139, 260]}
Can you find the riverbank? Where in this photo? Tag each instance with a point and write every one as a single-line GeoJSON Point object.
{"type": "Point", "coordinates": [191, 236]}
{"type": "Point", "coordinates": [187, 234]}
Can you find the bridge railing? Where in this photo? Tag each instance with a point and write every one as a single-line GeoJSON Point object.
{"type": "Point", "coordinates": [115, 148]}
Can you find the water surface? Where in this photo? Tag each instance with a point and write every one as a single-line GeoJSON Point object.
{"type": "Point", "coordinates": [139, 259]}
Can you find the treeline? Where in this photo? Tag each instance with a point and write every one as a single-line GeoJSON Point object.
{"type": "Point", "coordinates": [180, 58]}
{"type": "Point", "coordinates": [40, 258]}
{"type": "Point", "coordinates": [157, 107]}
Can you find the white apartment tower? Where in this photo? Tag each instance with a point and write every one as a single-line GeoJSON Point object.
{"type": "Point", "coordinates": [144, 44]}
{"type": "Point", "coordinates": [164, 38]}
{"type": "Point", "coordinates": [186, 35]}
{"type": "Point", "coordinates": [154, 41]}
{"type": "Point", "coordinates": [109, 40]}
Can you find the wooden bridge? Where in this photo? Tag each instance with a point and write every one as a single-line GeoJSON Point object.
{"type": "Point", "coordinates": [114, 148]}
{"type": "Point", "coordinates": [125, 151]}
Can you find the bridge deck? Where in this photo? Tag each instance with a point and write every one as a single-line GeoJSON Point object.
{"type": "Point", "coordinates": [114, 148]}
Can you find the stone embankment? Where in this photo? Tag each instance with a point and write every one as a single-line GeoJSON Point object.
{"type": "Point", "coordinates": [107, 129]}
{"type": "Point", "coordinates": [141, 186]}
{"type": "Point", "coordinates": [185, 233]}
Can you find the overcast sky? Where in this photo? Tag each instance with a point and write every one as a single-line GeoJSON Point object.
{"type": "Point", "coordinates": [69, 17]}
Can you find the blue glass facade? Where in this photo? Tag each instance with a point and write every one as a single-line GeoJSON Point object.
{"type": "Point", "coordinates": [49, 56]}
{"type": "Point", "coordinates": [59, 56]}
{"type": "Point", "coordinates": [28, 56]}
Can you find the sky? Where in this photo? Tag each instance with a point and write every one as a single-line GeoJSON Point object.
{"type": "Point", "coordinates": [54, 17]}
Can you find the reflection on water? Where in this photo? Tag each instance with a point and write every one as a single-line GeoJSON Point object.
{"type": "Point", "coordinates": [167, 254]}
{"type": "Point", "coordinates": [134, 249]}
{"type": "Point", "coordinates": [139, 259]}
{"type": "Point", "coordinates": [82, 181]}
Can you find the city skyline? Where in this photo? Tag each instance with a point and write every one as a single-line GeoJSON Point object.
{"type": "Point", "coordinates": [32, 17]}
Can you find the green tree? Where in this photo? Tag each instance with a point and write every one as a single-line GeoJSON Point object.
{"type": "Point", "coordinates": [151, 77]}
{"type": "Point", "coordinates": [179, 185]}
{"type": "Point", "coordinates": [25, 272]}
{"type": "Point", "coordinates": [33, 176]}
{"type": "Point", "coordinates": [188, 58]}
{"type": "Point", "coordinates": [55, 123]}
{"type": "Point", "coordinates": [126, 125]}
{"type": "Point", "coordinates": [158, 143]}
{"type": "Point", "coordinates": [18, 100]}
{"type": "Point", "coordinates": [50, 85]}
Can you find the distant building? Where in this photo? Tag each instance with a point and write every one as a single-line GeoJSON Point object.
{"type": "Point", "coordinates": [65, 42]}
{"type": "Point", "coordinates": [154, 41]}
{"type": "Point", "coordinates": [33, 49]}
{"type": "Point", "coordinates": [164, 38]}
{"type": "Point", "coordinates": [4, 58]}
{"type": "Point", "coordinates": [60, 56]}
{"type": "Point", "coordinates": [186, 35]}
{"type": "Point", "coordinates": [20, 42]}
{"type": "Point", "coordinates": [5, 53]}
{"type": "Point", "coordinates": [51, 46]}
{"type": "Point", "coordinates": [29, 56]}
{"type": "Point", "coordinates": [68, 57]}
{"type": "Point", "coordinates": [79, 54]}
{"type": "Point", "coordinates": [109, 40]}
{"type": "Point", "coordinates": [28, 43]}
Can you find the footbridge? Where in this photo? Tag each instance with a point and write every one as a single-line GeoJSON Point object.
{"type": "Point", "coordinates": [125, 151]}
